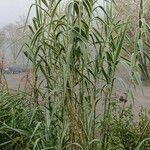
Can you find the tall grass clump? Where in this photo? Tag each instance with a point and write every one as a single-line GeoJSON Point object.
{"type": "Point", "coordinates": [75, 50]}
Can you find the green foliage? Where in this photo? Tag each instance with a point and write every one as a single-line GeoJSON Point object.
{"type": "Point", "coordinates": [25, 126]}
{"type": "Point", "coordinates": [75, 54]}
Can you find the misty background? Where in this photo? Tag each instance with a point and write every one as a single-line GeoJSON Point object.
{"type": "Point", "coordinates": [13, 14]}
{"type": "Point", "coordinates": [12, 10]}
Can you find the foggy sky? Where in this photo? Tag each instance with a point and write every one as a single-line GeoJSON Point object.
{"type": "Point", "coordinates": [11, 10]}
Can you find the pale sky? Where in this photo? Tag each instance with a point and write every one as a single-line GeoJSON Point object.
{"type": "Point", "coordinates": [11, 10]}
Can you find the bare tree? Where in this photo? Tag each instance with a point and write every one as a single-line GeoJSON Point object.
{"type": "Point", "coordinates": [15, 39]}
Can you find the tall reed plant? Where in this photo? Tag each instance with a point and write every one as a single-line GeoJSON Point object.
{"type": "Point", "coordinates": [75, 51]}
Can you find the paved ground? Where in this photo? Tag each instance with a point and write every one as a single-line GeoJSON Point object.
{"type": "Point", "coordinates": [16, 81]}
{"type": "Point", "coordinates": [140, 98]}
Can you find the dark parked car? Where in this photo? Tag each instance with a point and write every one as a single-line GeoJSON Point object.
{"type": "Point", "coordinates": [13, 70]}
